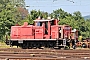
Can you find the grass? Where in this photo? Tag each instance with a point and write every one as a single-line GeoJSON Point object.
{"type": "Point", "coordinates": [3, 45]}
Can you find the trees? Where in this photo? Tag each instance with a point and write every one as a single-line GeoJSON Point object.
{"type": "Point", "coordinates": [18, 3]}
{"type": "Point", "coordinates": [22, 12]}
{"type": "Point", "coordinates": [87, 26]}
{"type": "Point", "coordinates": [6, 17]}
{"type": "Point", "coordinates": [9, 15]}
{"type": "Point", "coordinates": [35, 14]}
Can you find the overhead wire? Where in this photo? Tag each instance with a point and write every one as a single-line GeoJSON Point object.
{"type": "Point", "coordinates": [72, 1]}
{"type": "Point", "coordinates": [60, 4]}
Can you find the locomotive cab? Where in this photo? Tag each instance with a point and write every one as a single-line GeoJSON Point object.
{"type": "Point", "coordinates": [46, 24]}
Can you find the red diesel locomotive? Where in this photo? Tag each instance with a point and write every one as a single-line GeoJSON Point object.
{"type": "Point", "coordinates": [43, 33]}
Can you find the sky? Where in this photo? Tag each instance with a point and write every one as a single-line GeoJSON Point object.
{"type": "Point", "coordinates": [49, 5]}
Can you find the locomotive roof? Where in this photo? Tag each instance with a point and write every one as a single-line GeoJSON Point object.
{"type": "Point", "coordinates": [43, 20]}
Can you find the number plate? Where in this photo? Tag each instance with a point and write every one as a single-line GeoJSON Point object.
{"type": "Point", "coordinates": [20, 41]}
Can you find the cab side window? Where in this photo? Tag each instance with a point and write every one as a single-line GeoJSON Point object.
{"type": "Point", "coordinates": [39, 23]}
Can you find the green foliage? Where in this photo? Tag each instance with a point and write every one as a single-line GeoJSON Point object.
{"type": "Point", "coordinates": [8, 16]}
{"type": "Point", "coordinates": [35, 14]}
{"type": "Point", "coordinates": [18, 3]}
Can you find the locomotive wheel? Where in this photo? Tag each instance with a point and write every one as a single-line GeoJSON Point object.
{"type": "Point", "coordinates": [37, 45]}
{"type": "Point", "coordinates": [27, 45]}
{"type": "Point", "coordinates": [34, 46]}
{"type": "Point", "coordinates": [74, 46]}
{"type": "Point", "coordinates": [31, 45]}
{"type": "Point", "coordinates": [24, 46]}
{"type": "Point", "coordinates": [51, 45]}
{"type": "Point", "coordinates": [84, 45]}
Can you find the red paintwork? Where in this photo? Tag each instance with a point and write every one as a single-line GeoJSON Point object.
{"type": "Point", "coordinates": [54, 32]}
{"type": "Point", "coordinates": [67, 31]}
{"type": "Point", "coordinates": [74, 35]}
{"type": "Point", "coordinates": [38, 32]}
{"type": "Point", "coordinates": [22, 32]}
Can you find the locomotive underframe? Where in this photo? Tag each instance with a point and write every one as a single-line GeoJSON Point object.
{"type": "Point", "coordinates": [39, 43]}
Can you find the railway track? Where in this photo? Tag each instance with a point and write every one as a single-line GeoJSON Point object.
{"type": "Point", "coordinates": [43, 54]}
